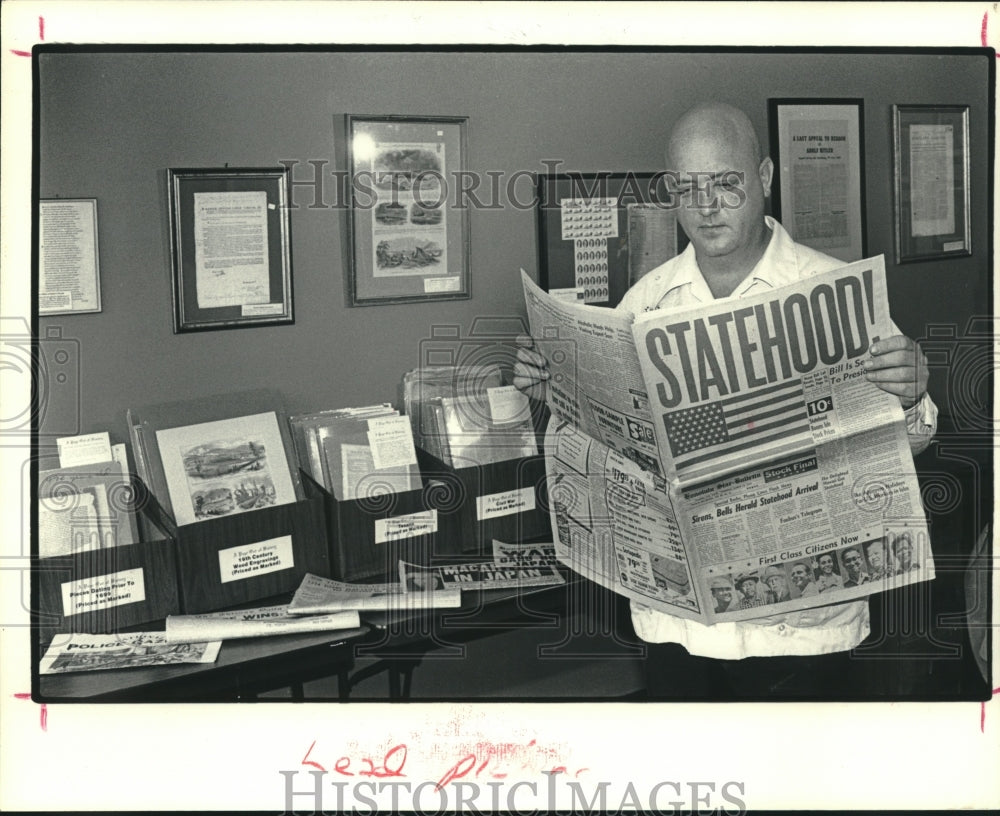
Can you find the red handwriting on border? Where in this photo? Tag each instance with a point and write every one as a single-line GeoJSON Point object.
{"type": "Point", "coordinates": [464, 766]}
{"type": "Point", "coordinates": [982, 38]}
{"type": "Point", "coordinates": [982, 712]}
{"type": "Point", "coordinates": [393, 763]}
{"type": "Point", "coordinates": [43, 715]}
{"type": "Point", "coordinates": [41, 37]}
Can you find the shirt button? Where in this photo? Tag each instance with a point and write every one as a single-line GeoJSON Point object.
{"type": "Point", "coordinates": [781, 627]}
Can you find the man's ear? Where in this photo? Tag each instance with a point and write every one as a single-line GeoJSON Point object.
{"type": "Point", "coordinates": [766, 173]}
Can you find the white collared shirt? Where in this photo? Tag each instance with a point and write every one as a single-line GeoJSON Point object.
{"type": "Point", "coordinates": [679, 283]}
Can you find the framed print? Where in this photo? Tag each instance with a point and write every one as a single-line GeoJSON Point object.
{"type": "Point", "coordinates": [931, 168]}
{"type": "Point", "coordinates": [230, 247]}
{"type": "Point", "coordinates": [599, 233]}
{"type": "Point", "coordinates": [69, 267]}
{"type": "Point", "coordinates": [406, 241]}
{"type": "Point", "coordinates": [817, 146]}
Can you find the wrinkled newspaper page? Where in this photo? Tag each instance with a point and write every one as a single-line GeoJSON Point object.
{"type": "Point", "coordinates": [615, 522]}
{"type": "Point", "coordinates": [789, 481]}
{"type": "Point", "coordinates": [595, 381]}
{"type": "Point", "coordinates": [133, 650]}
{"type": "Point", "coordinates": [316, 594]}
{"type": "Point", "coordinates": [261, 622]}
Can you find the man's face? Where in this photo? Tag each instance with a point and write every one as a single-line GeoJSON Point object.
{"type": "Point", "coordinates": [777, 584]}
{"type": "Point", "coordinates": [876, 555]}
{"type": "Point", "coordinates": [826, 564]}
{"type": "Point", "coordinates": [721, 204]}
{"type": "Point", "coordinates": [723, 595]}
{"type": "Point", "coordinates": [749, 589]}
{"type": "Point", "coordinates": [852, 560]}
{"type": "Point", "coordinates": [904, 550]}
{"type": "Point", "coordinates": [800, 575]}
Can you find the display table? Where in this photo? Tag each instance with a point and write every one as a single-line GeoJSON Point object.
{"type": "Point", "coordinates": [395, 644]}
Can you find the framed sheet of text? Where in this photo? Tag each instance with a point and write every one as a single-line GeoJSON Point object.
{"type": "Point", "coordinates": [817, 146]}
{"type": "Point", "coordinates": [931, 169]}
{"type": "Point", "coordinates": [231, 248]}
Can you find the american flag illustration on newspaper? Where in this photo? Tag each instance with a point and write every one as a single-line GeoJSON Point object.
{"type": "Point", "coordinates": [738, 430]}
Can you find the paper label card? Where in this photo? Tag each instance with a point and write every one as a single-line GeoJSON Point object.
{"type": "Point", "coordinates": [503, 504]}
{"type": "Point", "coordinates": [508, 405]}
{"type": "Point", "coordinates": [260, 558]}
{"type": "Point", "coordinates": [391, 441]}
{"type": "Point", "coordinates": [410, 526]}
{"type": "Point", "coordinates": [103, 591]}
{"type": "Point", "coordinates": [90, 449]}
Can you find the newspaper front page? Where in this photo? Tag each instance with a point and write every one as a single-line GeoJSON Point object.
{"type": "Point", "coordinates": [783, 478]}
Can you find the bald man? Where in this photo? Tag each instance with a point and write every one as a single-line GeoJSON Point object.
{"type": "Point", "coordinates": [721, 181]}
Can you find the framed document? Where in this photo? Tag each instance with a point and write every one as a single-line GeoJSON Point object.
{"type": "Point", "coordinates": [407, 240]}
{"type": "Point", "coordinates": [599, 233]}
{"type": "Point", "coordinates": [931, 168]}
{"type": "Point", "coordinates": [819, 193]}
{"type": "Point", "coordinates": [230, 247]}
{"type": "Point", "coordinates": [69, 277]}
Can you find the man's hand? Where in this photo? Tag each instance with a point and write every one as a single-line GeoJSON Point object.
{"type": "Point", "coordinates": [531, 370]}
{"type": "Point", "coordinates": [898, 366]}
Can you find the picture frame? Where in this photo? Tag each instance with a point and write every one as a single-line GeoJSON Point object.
{"type": "Point", "coordinates": [69, 262]}
{"type": "Point", "coordinates": [406, 241]}
{"type": "Point", "coordinates": [818, 192]}
{"type": "Point", "coordinates": [638, 230]}
{"type": "Point", "coordinates": [230, 247]}
{"type": "Point", "coordinates": [931, 181]}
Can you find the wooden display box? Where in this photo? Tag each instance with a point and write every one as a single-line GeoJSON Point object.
{"type": "Point", "coordinates": [507, 501]}
{"type": "Point", "coordinates": [368, 537]}
{"type": "Point", "coordinates": [108, 590]}
{"type": "Point", "coordinates": [251, 556]}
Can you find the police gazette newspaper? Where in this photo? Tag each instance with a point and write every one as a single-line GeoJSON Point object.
{"type": "Point", "coordinates": [730, 461]}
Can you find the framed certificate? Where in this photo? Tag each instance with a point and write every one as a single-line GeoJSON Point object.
{"type": "Point", "coordinates": [931, 169]}
{"type": "Point", "coordinates": [817, 146]}
{"type": "Point", "coordinates": [69, 266]}
{"type": "Point", "coordinates": [407, 240]}
{"type": "Point", "coordinates": [230, 247]}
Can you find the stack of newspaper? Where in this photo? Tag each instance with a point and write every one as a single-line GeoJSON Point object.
{"type": "Point", "coordinates": [357, 452]}
{"type": "Point", "coordinates": [465, 415]}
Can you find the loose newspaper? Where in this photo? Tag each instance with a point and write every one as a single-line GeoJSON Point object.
{"type": "Point", "coordinates": [261, 622]}
{"type": "Point", "coordinates": [731, 461]}
{"type": "Point", "coordinates": [492, 575]}
{"type": "Point", "coordinates": [316, 594]}
{"type": "Point", "coordinates": [134, 650]}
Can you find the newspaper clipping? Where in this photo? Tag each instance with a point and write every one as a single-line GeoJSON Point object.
{"type": "Point", "coordinates": [318, 595]}
{"type": "Point", "coordinates": [80, 652]}
{"type": "Point", "coordinates": [260, 622]}
{"type": "Point", "coordinates": [731, 461]}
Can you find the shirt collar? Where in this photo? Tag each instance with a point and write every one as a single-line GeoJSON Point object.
{"type": "Point", "coordinates": [777, 266]}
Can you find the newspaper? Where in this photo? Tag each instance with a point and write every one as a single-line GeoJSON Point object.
{"type": "Point", "coordinates": [524, 554]}
{"type": "Point", "coordinates": [492, 575]}
{"type": "Point", "coordinates": [317, 594]}
{"type": "Point", "coordinates": [731, 461]}
{"type": "Point", "coordinates": [79, 652]}
{"type": "Point", "coordinates": [261, 622]}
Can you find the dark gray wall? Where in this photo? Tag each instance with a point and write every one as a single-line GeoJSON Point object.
{"type": "Point", "coordinates": [111, 123]}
